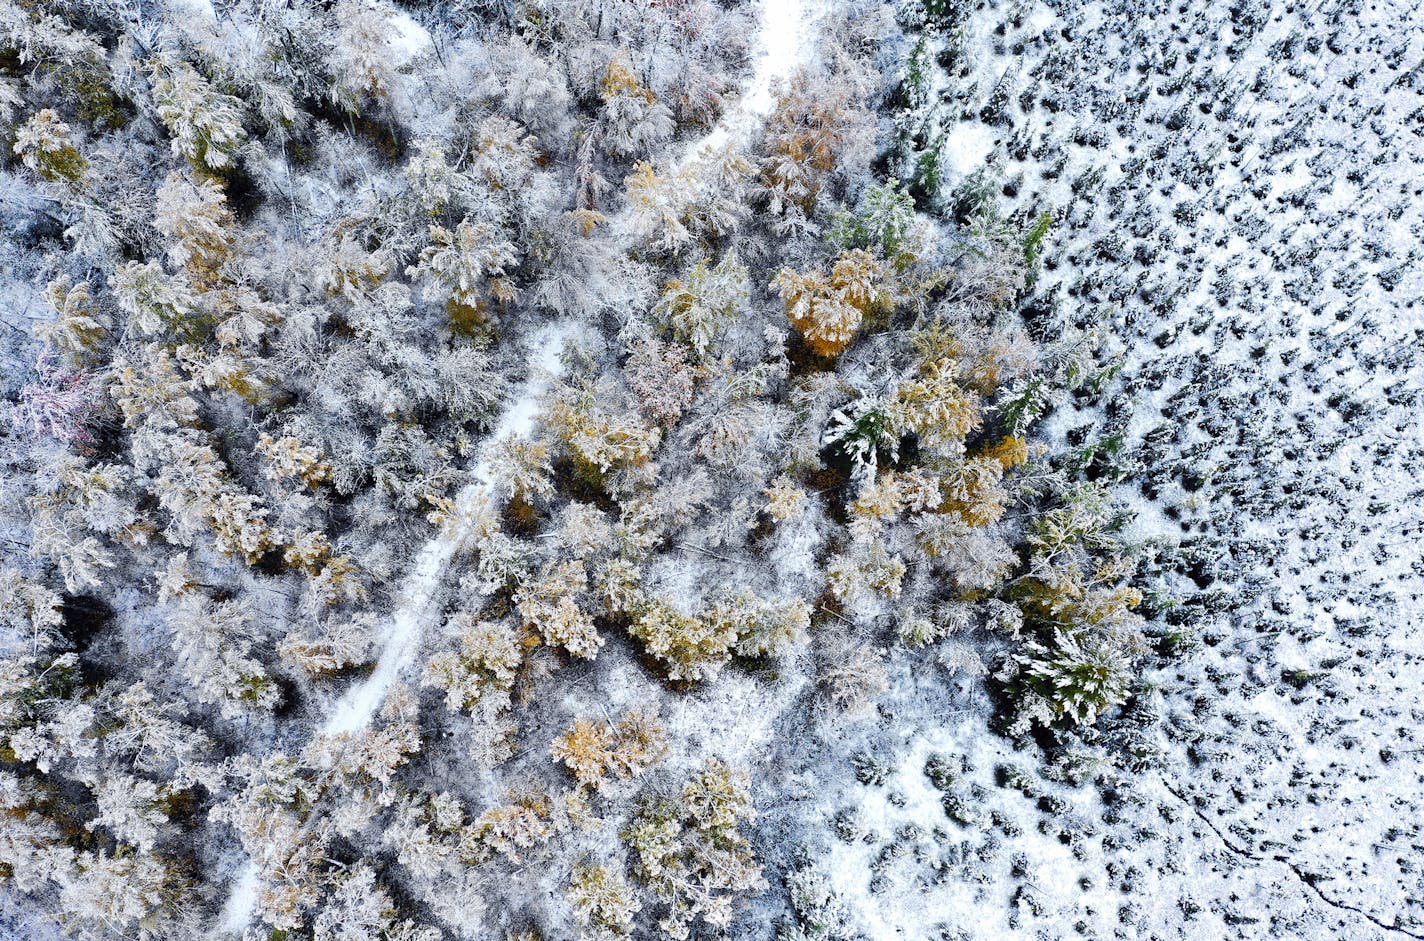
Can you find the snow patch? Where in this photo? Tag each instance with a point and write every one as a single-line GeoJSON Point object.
{"type": "Point", "coordinates": [967, 147]}
{"type": "Point", "coordinates": [410, 39]}
{"type": "Point", "coordinates": [237, 913]}
{"type": "Point", "coordinates": [202, 8]}
{"type": "Point", "coordinates": [906, 905]}
{"type": "Point", "coordinates": [785, 37]}
{"type": "Point", "coordinates": [1039, 19]}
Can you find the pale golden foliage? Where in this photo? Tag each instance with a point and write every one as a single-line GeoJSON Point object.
{"type": "Point", "coordinates": [287, 458]}
{"type": "Point", "coordinates": [594, 751]}
{"type": "Point", "coordinates": [784, 500]}
{"type": "Point", "coordinates": [548, 606]}
{"type": "Point", "coordinates": [828, 309]}
{"type": "Point", "coordinates": [76, 329]}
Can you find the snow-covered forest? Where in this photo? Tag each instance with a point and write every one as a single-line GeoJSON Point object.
{"type": "Point", "coordinates": [794, 470]}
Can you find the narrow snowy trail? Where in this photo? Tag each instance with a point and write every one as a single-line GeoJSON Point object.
{"type": "Point", "coordinates": [416, 602]}
{"type": "Point", "coordinates": [784, 44]}
{"type": "Point", "coordinates": [784, 41]}
{"type": "Point", "coordinates": [415, 605]}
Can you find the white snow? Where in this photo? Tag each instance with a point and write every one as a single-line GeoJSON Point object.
{"type": "Point", "coordinates": [518, 418]}
{"type": "Point", "coordinates": [1039, 19]}
{"type": "Point", "coordinates": [908, 906]}
{"type": "Point", "coordinates": [202, 8]}
{"type": "Point", "coordinates": [784, 38]}
{"type": "Point", "coordinates": [237, 913]}
{"type": "Point", "coordinates": [354, 711]}
{"type": "Point", "coordinates": [1285, 727]}
{"type": "Point", "coordinates": [410, 39]}
{"type": "Point", "coordinates": [968, 146]}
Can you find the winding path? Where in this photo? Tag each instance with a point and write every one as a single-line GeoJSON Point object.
{"type": "Point", "coordinates": [415, 606]}
{"type": "Point", "coordinates": [784, 40]}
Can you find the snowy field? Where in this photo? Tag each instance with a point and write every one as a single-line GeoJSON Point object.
{"type": "Point", "coordinates": [1237, 209]}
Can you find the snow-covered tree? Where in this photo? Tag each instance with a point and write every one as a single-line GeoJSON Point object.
{"type": "Point", "coordinates": [594, 751]}
{"type": "Point", "coordinates": [338, 644]}
{"type": "Point", "coordinates": [195, 218]}
{"type": "Point", "coordinates": [691, 852]}
{"type": "Point", "coordinates": [204, 125]}
{"type": "Point", "coordinates": [633, 121]}
{"type": "Point", "coordinates": [29, 614]}
{"type": "Point", "coordinates": [148, 736]}
{"type": "Point", "coordinates": [213, 643]}
{"type": "Point", "coordinates": [129, 808]}
{"type": "Point", "coordinates": [77, 328]}
{"type": "Point", "coordinates": [602, 436]}
{"type": "Point", "coordinates": [663, 381]}
{"type": "Point", "coordinates": [45, 145]}
{"type": "Point", "coordinates": [602, 901]}
{"type": "Point", "coordinates": [154, 300]}
{"type": "Point", "coordinates": [484, 665]}
{"type": "Point", "coordinates": [466, 268]}
{"type": "Point", "coordinates": [699, 306]}
{"type": "Point", "coordinates": [59, 403]}
{"type": "Point", "coordinates": [658, 206]}
{"type": "Point", "coordinates": [360, 60]}
{"type": "Point", "coordinates": [359, 909]}
{"type": "Point", "coordinates": [119, 893]}
{"type": "Point", "coordinates": [550, 607]}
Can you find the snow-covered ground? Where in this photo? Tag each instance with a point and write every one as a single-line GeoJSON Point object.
{"type": "Point", "coordinates": [241, 901]}
{"type": "Point", "coordinates": [411, 40]}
